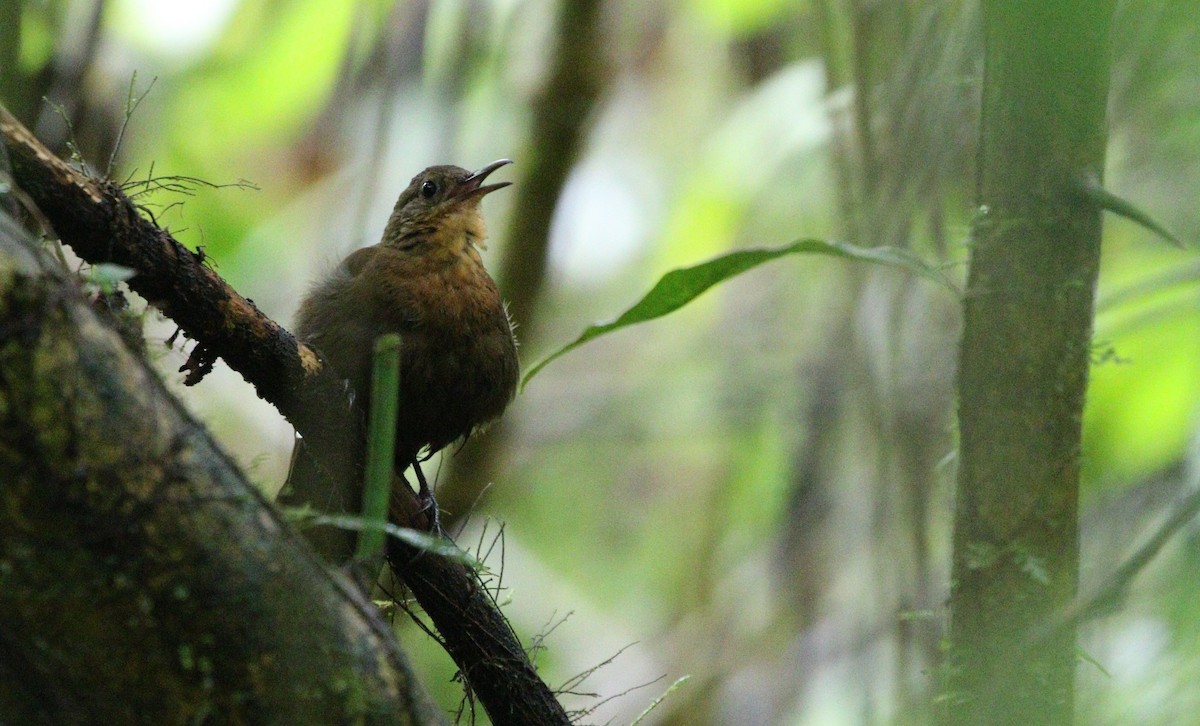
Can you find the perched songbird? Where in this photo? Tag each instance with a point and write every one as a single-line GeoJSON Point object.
{"type": "Point", "coordinates": [425, 280]}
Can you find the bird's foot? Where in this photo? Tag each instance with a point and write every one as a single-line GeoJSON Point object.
{"type": "Point", "coordinates": [428, 503]}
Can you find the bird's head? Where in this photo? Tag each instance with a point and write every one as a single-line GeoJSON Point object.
{"type": "Point", "coordinates": [440, 207]}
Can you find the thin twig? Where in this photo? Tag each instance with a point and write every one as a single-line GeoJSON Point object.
{"type": "Point", "coordinates": [131, 105]}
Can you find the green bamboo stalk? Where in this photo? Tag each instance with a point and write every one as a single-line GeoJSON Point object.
{"type": "Point", "coordinates": [1023, 366]}
{"type": "Point", "coordinates": [381, 444]}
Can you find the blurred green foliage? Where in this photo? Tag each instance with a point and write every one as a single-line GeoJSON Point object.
{"type": "Point", "coordinates": [748, 489]}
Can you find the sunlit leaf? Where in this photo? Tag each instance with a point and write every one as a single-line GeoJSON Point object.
{"type": "Point", "coordinates": [1141, 407]}
{"type": "Point", "coordinates": [255, 84]}
{"type": "Point", "coordinates": [679, 287]}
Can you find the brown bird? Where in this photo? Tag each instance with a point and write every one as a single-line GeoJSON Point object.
{"type": "Point", "coordinates": [425, 280]}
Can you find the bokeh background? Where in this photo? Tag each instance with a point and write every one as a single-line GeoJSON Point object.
{"type": "Point", "coordinates": [757, 490]}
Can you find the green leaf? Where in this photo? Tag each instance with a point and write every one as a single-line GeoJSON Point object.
{"type": "Point", "coordinates": [679, 287]}
{"type": "Point", "coordinates": [424, 541]}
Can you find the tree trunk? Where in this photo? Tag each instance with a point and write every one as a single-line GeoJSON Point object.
{"type": "Point", "coordinates": [142, 579]}
{"type": "Point", "coordinates": [1024, 360]}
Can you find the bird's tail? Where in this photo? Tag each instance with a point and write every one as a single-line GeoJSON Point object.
{"type": "Point", "coordinates": [310, 486]}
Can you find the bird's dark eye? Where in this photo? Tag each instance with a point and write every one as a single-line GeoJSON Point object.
{"type": "Point", "coordinates": [429, 189]}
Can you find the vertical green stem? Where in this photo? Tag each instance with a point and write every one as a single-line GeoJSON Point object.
{"type": "Point", "coordinates": [381, 442]}
{"type": "Point", "coordinates": [1023, 366]}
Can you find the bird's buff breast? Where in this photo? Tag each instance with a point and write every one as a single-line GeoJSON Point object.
{"type": "Point", "coordinates": [460, 358]}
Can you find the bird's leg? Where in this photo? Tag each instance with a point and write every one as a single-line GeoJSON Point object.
{"type": "Point", "coordinates": [425, 494]}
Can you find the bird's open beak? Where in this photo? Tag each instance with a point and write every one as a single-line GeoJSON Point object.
{"type": "Point", "coordinates": [473, 185]}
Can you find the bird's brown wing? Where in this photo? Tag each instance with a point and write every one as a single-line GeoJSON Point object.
{"type": "Point", "coordinates": [309, 484]}
{"type": "Point", "coordinates": [332, 319]}
{"type": "Point", "coordinates": [343, 315]}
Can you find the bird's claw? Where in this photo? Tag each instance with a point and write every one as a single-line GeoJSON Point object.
{"type": "Point", "coordinates": [428, 502]}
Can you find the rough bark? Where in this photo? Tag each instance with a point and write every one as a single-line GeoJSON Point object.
{"type": "Point", "coordinates": [142, 579]}
{"type": "Point", "coordinates": [1024, 360]}
{"type": "Point", "coordinates": [495, 666]}
{"type": "Point", "coordinates": [102, 225]}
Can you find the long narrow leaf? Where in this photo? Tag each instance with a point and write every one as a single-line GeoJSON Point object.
{"type": "Point", "coordinates": [304, 518]}
{"type": "Point", "coordinates": [679, 287]}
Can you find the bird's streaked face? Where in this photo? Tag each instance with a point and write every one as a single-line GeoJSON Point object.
{"type": "Point", "coordinates": [440, 207]}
